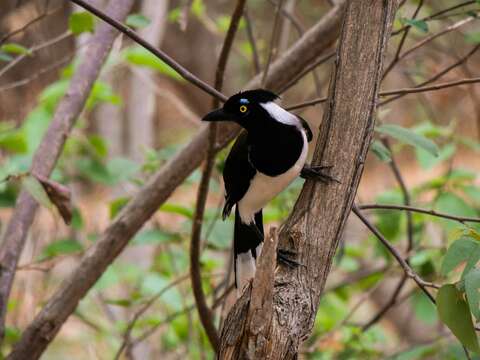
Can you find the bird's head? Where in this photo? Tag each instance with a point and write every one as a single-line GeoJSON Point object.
{"type": "Point", "coordinates": [247, 108]}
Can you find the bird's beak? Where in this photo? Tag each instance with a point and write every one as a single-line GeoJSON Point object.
{"type": "Point", "coordinates": [216, 115]}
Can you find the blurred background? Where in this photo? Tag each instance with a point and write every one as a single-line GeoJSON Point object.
{"type": "Point", "coordinates": [141, 112]}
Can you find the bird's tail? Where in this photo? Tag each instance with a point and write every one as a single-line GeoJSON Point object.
{"type": "Point", "coordinates": [247, 245]}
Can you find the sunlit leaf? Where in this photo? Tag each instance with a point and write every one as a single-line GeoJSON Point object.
{"type": "Point", "coordinates": [16, 49]}
{"type": "Point", "coordinates": [137, 55]}
{"type": "Point", "coordinates": [81, 22]}
{"type": "Point", "coordinates": [454, 312]}
{"type": "Point", "coordinates": [177, 209]}
{"type": "Point", "coordinates": [13, 141]}
{"type": "Point", "coordinates": [117, 205]}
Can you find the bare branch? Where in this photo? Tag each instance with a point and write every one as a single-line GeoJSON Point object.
{"type": "Point", "coordinates": [187, 75]}
{"type": "Point", "coordinates": [20, 30]}
{"type": "Point", "coordinates": [206, 316]}
{"type": "Point", "coordinates": [408, 270]}
{"type": "Point", "coordinates": [272, 50]}
{"type": "Point", "coordinates": [404, 91]}
{"type": "Point", "coordinates": [419, 210]}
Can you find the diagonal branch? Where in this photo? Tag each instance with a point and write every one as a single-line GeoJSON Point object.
{"type": "Point", "coordinates": [51, 147]}
{"type": "Point", "coordinates": [157, 190]}
{"type": "Point", "coordinates": [187, 75]}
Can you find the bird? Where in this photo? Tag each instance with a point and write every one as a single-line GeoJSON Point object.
{"type": "Point", "coordinates": [266, 157]}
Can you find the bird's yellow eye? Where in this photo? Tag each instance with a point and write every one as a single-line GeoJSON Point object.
{"type": "Point", "coordinates": [243, 109]}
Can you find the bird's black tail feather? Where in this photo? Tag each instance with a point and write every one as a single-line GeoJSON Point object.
{"type": "Point", "coordinates": [247, 245]}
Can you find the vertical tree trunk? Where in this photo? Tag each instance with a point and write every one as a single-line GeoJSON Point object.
{"type": "Point", "coordinates": [316, 224]}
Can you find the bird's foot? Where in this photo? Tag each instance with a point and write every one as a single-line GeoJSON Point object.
{"type": "Point", "coordinates": [318, 173]}
{"type": "Point", "coordinates": [286, 257]}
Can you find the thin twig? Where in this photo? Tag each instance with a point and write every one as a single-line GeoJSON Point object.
{"type": "Point", "coordinates": [42, 16]}
{"type": "Point", "coordinates": [408, 270]}
{"type": "Point", "coordinates": [321, 60]}
{"type": "Point", "coordinates": [402, 42]}
{"type": "Point", "coordinates": [434, 36]}
{"type": "Point", "coordinates": [404, 91]}
{"type": "Point", "coordinates": [187, 75]}
{"type": "Point", "coordinates": [272, 48]}
{"type": "Point", "coordinates": [436, 15]}
{"type": "Point", "coordinates": [34, 49]}
{"type": "Point", "coordinates": [461, 219]}
{"type": "Point", "coordinates": [252, 41]}
{"type": "Point", "coordinates": [438, 75]}
{"type": "Point", "coordinates": [205, 314]}
{"type": "Point", "coordinates": [128, 331]}
{"type": "Point", "coordinates": [39, 73]}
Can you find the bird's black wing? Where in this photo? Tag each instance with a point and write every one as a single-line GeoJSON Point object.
{"type": "Point", "coordinates": [305, 125]}
{"type": "Point", "coordinates": [237, 173]}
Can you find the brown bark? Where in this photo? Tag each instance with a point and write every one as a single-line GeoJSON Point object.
{"type": "Point", "coordinates": [51, 147]}
{"type": "Point", "coordinates": [316, 224]}
{"type": "Point", "coordinates": [47, 323]}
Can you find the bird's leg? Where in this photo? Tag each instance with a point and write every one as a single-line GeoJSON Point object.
{"type": "Point", "coordinates": [317, 173]}
{"type": "Point", "coordinates": [283, 256]}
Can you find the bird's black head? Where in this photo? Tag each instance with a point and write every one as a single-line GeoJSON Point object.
{"type": "Point", "coordinates": [243, 108]}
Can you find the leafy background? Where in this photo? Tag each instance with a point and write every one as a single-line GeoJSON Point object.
{"type": "Point", "coordinates": [146, 296]}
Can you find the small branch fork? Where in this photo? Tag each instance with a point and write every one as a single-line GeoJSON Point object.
{"type": "Point", "coordinates": [404, 264]}
{"type": "Point", "coordinates": [403, 91]}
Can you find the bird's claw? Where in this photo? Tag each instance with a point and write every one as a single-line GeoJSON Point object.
{"type": "Point", "coordinates": [317, 173]}
{"type": "Point", "coordinates": [286, 258]}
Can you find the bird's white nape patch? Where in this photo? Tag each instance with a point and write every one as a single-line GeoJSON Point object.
{"type": "Point", "coordinates": [280, 114]}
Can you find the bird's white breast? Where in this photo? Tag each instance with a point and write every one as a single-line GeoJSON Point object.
{"type": "Point", "coordinates": [264, 188]}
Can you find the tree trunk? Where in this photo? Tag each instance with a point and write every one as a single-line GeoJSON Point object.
{"type": "Point", "coordinates": [316, 224]}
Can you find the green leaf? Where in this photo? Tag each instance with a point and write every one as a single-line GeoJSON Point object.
{"type": "Point", "coordinates": [152, 236]}
{"type": "Point", "coordinates": [36, 190]}
{"type": "Point", "coordinates": [419, 24]}
{"type": "Point", "coordinates": [137, 21]}
{"type": "Point", "coordinates": [409, 137]}
{"type": "Point", "coordinates": [5, 57]}
{"type": "Point", "coordinates": [119, 302]}
{"type": "Point", "coordinates": [198, 8]}
{"type": "Point", "coordinates": [81, 22]}
{"type": "Point", "coordinates": [453, 311]}
{"type": "Point", "coordinates": [472, 290]}
{"type": "Point", "coordinates": [462, 250]}
{"type": "Point", "coordinates": [14, 141]}
{"type": "Point", "coordinates": [424, 309]}
{"type": "Point", "coordinates": [117, 205]}
{"type": "Point", "coordinates": [17, 49]}
{"type": "Point", "coordinates": [137, 55]}
{"type": "Point", "coordinates": [428, 161]}
{"type": "Point", "coordinates": [61, 247]}
{"type": "Point", "coordinates": [381, 151]}
{"type": "Point", "coordinates": [177, 209]}
{"type": "Point", "coordinates": [473, 37]}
